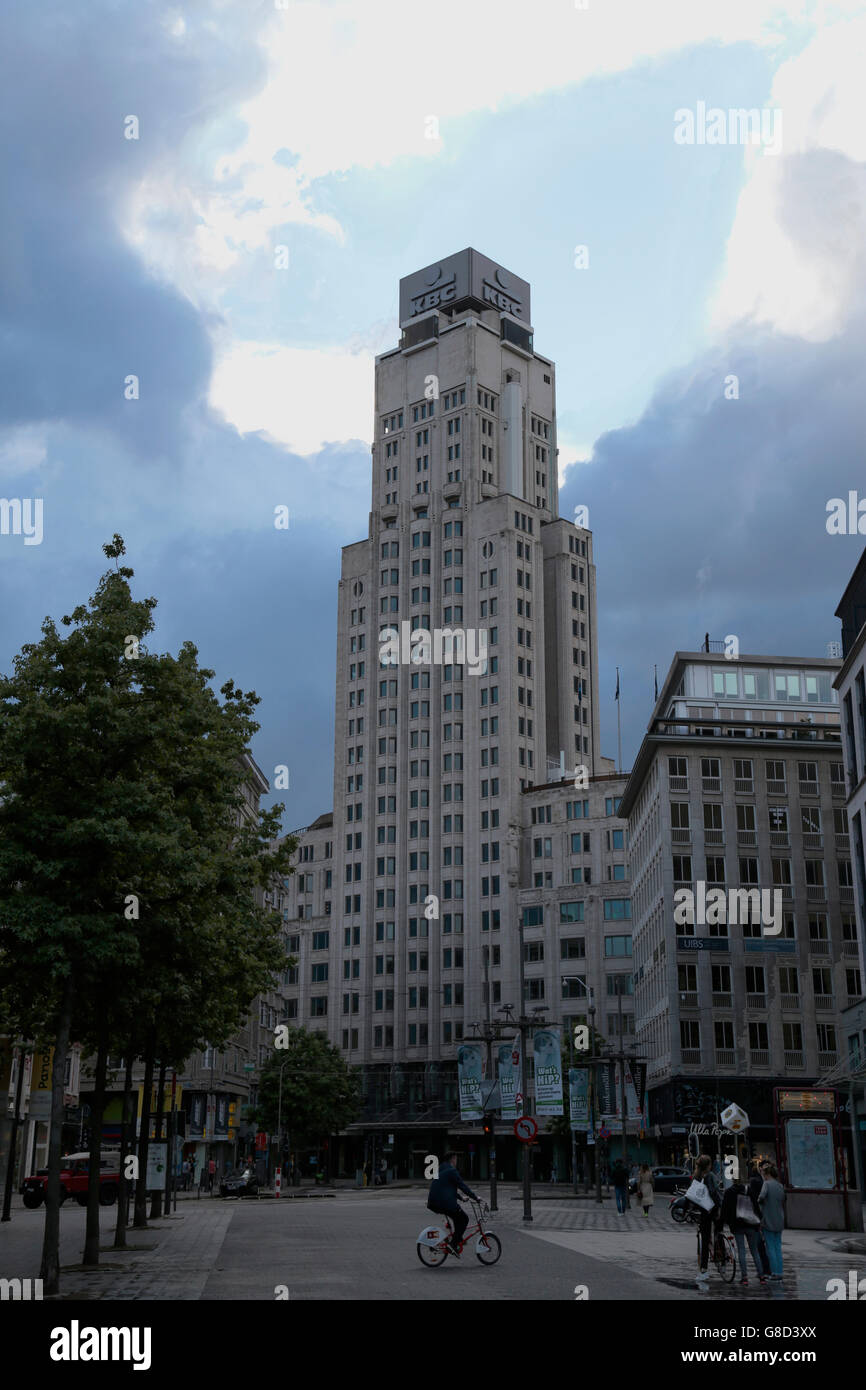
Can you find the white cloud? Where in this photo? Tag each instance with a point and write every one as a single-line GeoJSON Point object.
{"type": "Point", "coordinates": [795, 250]}
{"type": "Point", "coordinates": [22, 450]}
{"type": "Point", "coordinates": [303, 398]}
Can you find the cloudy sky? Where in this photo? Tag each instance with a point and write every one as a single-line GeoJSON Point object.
{"type": "Point", "coordinates": [367, 140]}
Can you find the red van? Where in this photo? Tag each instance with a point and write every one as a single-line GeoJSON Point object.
{"type": "Point", "coordinates": [74, 1180]}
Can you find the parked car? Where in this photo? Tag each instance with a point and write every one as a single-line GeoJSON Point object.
{"type": "Point", "coordinates": [243, 1184]}
{"type": "Point", "coordinates": [666, 1179]}
{"type": "Point", "coordinates": [74, 1180]}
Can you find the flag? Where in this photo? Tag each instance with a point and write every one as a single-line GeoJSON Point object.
{"type": "Point", "coordinates": [616, 696]}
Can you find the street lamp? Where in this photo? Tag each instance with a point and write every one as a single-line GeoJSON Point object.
{"type": "Point", "coordinates": [590, 995]}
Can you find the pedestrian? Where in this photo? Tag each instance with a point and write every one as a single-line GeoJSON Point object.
{"type": "Point", "coordinates": [709, 1215]}
{"type": "Point", "coordinates": [184, 1182]}
{"type": "Point", "coordinates": [211, 1174]}
{"type": "Point", "coordinates": [756, 1182]}
{"type": "Point", "coordinates": [771, 1200]}
{"type": "Point", "coordinates": [645, 1187]}
{"type": "Point", "coordinates": [553, 1177]}
{"type": "Point", "coordinates": [743, 1220]}
{"type": "Point", "coordinates": [620, 1185]}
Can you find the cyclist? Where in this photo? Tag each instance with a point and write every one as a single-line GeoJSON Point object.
{"type": "Point", "coordinates": [442, 1198]}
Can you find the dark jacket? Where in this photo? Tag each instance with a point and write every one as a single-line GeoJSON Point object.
{"type": "Point", "coordinates": [443, 1190]}
{"type": "Point", "coordinates": [729, 1210]}
{"type": "Point", "coordinates": [619, 1177]}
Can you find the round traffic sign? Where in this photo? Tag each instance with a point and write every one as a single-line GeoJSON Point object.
{"type": "Point", "coordinates": [604, 1132]}
{"type": "Point", "coordinates": [526, 1129]}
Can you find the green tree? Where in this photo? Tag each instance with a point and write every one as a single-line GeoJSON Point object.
{"type": "Point", "coordinates": [127, 867]}
{"type": "Point", "coordinates": [320, 1093]}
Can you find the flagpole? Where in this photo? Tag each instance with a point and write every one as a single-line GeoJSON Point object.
{"type": "Point", "coordinates": [618, 724]}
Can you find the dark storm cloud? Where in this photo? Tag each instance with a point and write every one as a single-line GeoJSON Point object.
{"type": "Point", "coordinates": [79, 311]}
{"type": "Point", "coordinates": [709, 514]}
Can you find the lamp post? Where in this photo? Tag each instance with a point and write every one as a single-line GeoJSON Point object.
{"type": "Point", "coordinates": [590, 995]}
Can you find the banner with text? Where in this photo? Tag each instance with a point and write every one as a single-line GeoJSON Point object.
{"type": "Point", "coordinates": [508, 1073]}
{"type": "Point", "coordinates": [548, 1072]}
{"type": "Point", "coordinates": [578, 1099]}
{"type": "Point", "coordinates": [469, 1072]}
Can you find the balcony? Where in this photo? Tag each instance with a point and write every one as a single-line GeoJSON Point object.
{"type": "Point", "coordinates": [747, 837]}
{"type": "Point", "coordinates": [780, 839]}
{"type": "Point", "coordinates": [825, 1003]}
{"type": "Point", "coordinates": [689, 999]}
{"type": "Point", "coordinates": [678, 784]}
{"type": "Point", "coordinates": [691, 1056]}
{"type": "Point", "coordinates": [714, 837]}
{"type": "Point", "coordinates": [726, 1057]}
{"type": "Point", "coordinates": [794, 1061]}
{"type": "Point", "coordinates": [838, 789]}
{"type": "Point", "coordinates": [712, 785]}
{"type": "Point", "coordinates": [826, 1060]}
{"type": "Point", "coordinates": [681, 837]}
{"type": "Point", "coordinates": [816, 892]}
{"type": "Point", "coordinates": [776, 788]}
{"type": "Point", "coordinates": [756, 1001]}
{"type": "Point", "coordinates": [846, 894]}
{"type": "Point", "coordinates": [759, 1059]}
{"type": "Point", "coordinates": [812, 841]}
{"type": "Point", "coordinates": [808, 788]}
{"type": "Point", "coordinates": [742, 787]}
{"type": "Point", "coordinates": [843, 843]}
{"type": "Point", "coordinates": [850, 948]}
{"type": "Point", "coordinates": [722, 1001]}
{"type": "Point", "coordinates": [790, 1003]}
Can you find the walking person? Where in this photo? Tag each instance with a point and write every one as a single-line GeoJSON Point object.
{"type": "Point", "coordinates": [743, 1220]}
{"type": "Point", "coordinates": [184, 1182]}
{"type": "Point", "coordinates": [645, 1187]}
{"type": "Point", "coordinates": [620, 1185]}
{"type": "Point", "coordinates": [756, 1182]}
{"type": "Point", "coordinates": [211, 1174]}
{"type": "Point", "coordinates": [771, 1200]}
{"type": "Point", "coordinates": [709, 1216]}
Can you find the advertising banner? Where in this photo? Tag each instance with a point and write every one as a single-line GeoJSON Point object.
{"type": "Point", "coordinates": [508, 1072]}
{"type": "Point", "coordinates": [548, 1072]}
{"type": "Point", "coordinates": [156, 1160]}
{"type": "Point", "coordinates": [607, 1092]}
{"type": "Point", "coordinates": [40, 1085]}
{"type": "Point", "coordinates": [578, 1099]}
{"type": "Point", "coordinates": [469, 1071]}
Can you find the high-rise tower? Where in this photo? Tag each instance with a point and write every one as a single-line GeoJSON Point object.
{"type": "Point", "coordinates": [432, 759]}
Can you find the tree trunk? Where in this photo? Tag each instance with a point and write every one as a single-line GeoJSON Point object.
{"type": "Point", "coordinates": [49, 1269]}
{"type": "Point", "coordinates": [156, 1199]}
{"type": "Point", "coordinates": [143, 1140]}
{"type": "Point", "coordinates": [127, 1142]}
{"type": "Point", "coordinates": [94, 1183]}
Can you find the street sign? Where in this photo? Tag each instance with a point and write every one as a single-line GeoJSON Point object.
{"type": "Point", "coordinates": [249, 1066]}
{"type": "Point", "coordinates": [261, 1141]}
{"type": "Point", "coordinates": [526, 1129]}
{"type": "Point", "coordinates": [604, 1132]}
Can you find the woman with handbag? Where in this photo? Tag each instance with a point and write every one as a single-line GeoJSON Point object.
{"type": "Point", "coordinates": [743, 1221]}
{"type": "Point", "coordinates": [704, 1192]}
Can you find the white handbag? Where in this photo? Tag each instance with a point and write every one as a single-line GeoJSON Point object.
{"type": "Point", "coordinates": [698, 1194]}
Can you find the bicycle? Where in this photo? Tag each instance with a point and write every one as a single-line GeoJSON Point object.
{"type": "Point", "coordinates": [723, 1255]}
{"type": "Point", "coordinates": [433, 1242]}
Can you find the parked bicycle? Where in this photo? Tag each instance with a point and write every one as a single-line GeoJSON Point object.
{"type": "Point", "coordinates": [682, 1210]}
{"type": "Point", "coordinates": [433, 1242]}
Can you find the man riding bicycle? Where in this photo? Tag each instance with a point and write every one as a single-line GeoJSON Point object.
{"type": "Point", "coordinates": [442, 1198]}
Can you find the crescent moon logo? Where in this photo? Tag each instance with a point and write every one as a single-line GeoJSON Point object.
{"type": "Point", "coordinates": [433, 275]}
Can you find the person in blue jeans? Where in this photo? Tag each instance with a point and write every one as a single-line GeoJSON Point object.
{"type": "Point", "coordinates": [771, 1200]}
{"type": "Point", "coordinates": [620, 1185]}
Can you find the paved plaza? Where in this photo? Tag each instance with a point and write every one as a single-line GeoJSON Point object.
{"type": "Point", "coordinates": [361, 1245]}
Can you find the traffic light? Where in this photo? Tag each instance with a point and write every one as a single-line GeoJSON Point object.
{"type": "Point", "coordinates": [488, 1125]}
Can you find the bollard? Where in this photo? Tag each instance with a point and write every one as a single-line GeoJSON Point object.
{"type": "Point", "coordinates": [277, 1181]}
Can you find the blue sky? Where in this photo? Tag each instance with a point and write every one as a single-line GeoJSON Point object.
{"type": "Point", "coordinates": [308, 128]}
